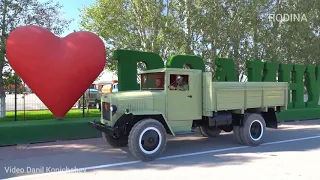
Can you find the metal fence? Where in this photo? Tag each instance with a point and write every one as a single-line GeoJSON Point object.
{"type": "Point", "coordinates": [22, 104]}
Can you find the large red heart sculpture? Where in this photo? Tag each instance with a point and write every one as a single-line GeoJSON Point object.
{"type": "Point", "coordinates": [58, 70]}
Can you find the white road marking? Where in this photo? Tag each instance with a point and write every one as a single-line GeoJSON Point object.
{"type": "Point", "coordinates": [162, 158]}
{"type": "Point", "coordinates": [290, 140]}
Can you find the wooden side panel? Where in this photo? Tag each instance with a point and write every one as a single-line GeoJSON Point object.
{"type": "Point", "coordinates": [244, 95]}
{"type": "Point", "coordinates": [230, 99]}
{"type": "Point", "coordinates": [254, 98]}
{"type": "Point", "coordinates": [273, 97]}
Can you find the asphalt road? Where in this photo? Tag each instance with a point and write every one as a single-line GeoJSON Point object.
{"type": "Point", "coordinates": [290, 152]}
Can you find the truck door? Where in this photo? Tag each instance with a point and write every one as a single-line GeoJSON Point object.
{"type": "Point", "coordinates": [185, 104]}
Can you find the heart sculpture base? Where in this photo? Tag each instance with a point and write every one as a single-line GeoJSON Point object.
{"type": "Point", "coordinates": [58, 70]}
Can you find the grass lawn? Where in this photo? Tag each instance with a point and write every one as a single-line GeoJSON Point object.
{"type": "Point", "coordinates": [46, 114]}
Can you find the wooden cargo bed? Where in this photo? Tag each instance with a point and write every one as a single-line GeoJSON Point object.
{"type": "Point", "coordinates": [219, 96]}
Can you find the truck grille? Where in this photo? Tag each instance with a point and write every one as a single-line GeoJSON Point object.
{"type": "Point", "coordinates": [106, 111]}
{"type": "Point", "coordinates": [92, 96]}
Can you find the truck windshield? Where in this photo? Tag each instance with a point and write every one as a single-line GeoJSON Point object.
{"type": "Point", "coordinates": [152, 81]}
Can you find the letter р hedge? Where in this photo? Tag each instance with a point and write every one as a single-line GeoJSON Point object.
{"type": "Point", "coordinates": [143, 119]}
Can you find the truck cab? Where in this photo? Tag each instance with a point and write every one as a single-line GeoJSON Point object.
{"type": "Point", "coordinates": [177, 104]}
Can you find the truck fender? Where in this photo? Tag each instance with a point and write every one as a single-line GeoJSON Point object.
{"type": "Point", "coordinates": [150, 114]}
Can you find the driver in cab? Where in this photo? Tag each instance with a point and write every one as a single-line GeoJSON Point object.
{"type": "Point", "coordinates": [179, 84]}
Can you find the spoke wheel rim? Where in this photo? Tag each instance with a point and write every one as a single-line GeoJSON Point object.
{"type": "Point", "coordinates": [150, 140]}
{"type": "Point", "coordinates": [256, 130]}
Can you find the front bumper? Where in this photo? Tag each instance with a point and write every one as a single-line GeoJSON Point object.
{"type": "Point", "coordinates": [101, 127]}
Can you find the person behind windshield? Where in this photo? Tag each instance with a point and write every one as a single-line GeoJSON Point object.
{"type": "Point", "coordinates": [159, 83]}
{"type": "Point", "coordinates": [179, 84]}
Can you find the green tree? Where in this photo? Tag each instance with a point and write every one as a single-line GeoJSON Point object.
{"type": "Point", "coordinates": [11, 78]}
{"type": "Point", "coordinates": [15, 13]}
{"type": "Point", "coordinates": [235, 29]}
{"type": "Point", "coordinates": [131, 24]}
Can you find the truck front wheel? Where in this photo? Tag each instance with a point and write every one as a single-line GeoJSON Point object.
{"type": "Point", "coordinates": [115, 142]}
{"type": "Point", "coordinates": [147, 139]}
{"type": "Point", "coordinates": [253, 129]}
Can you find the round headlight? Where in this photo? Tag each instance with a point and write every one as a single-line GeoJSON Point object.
{"type": "Point", "coordinates": [113, 108]}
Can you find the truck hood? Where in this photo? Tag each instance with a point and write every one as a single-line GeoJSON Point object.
{"type": "Point", "coordinates": [136, 100]}
{"type": "Point", "coordinates": [133, 94]}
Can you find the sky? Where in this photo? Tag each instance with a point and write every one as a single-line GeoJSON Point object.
{"type": "Point", "coordinates": [71, 11]}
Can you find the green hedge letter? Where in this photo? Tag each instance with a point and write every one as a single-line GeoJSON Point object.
{"type": "Point", "coordinates": [127, 66]}
{"type": "Point", "coordinates": [255, 70]}
{"type": "Point", "coordinates": [270, 72]}
{"type": "Point", "coordinates": [297, 86]}
{"type": "Point", "coordinates": [225, 70]}
{"type": "Point", "coordinates": [313, 85]}
{"type": "Point", "coordinates": [194, 62]}
{"type": "Point", "coordinates": [284, 76]}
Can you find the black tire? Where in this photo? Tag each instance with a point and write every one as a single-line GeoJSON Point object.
{"type": "Point", "coordinates": [114, 142]}
{"type": "Point", "coordinates": [226, 128]}
{"type": "Point", "coordinates": [198, 130]}
{"type": "Point", "coordinates": [237, 135]}
{"type": "Point", "coordinates": [210, 131]}
{"type": "Point", "coordinates": [253, 129]}
{"type": "Point", "coordinates": [157, 144]}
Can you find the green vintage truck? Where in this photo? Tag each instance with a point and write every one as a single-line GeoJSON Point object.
{"type": "Point", "coordinates": [92, 97]}
{"type": "Point", "coordinates": [143, 119]}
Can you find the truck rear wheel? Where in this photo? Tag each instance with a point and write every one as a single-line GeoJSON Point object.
{"type": "Point", "coordinates": [208, 131]}
{"type": "Point", "coordinates": [115, 142]}
{"type": "Point", "coordinates": [253, 129]}
{"type": "Point", "coordinates": [198, 130]}
{"type": "Point", "coordinates": [237, 135]}
{"type": "Point", "coordinates": [226, 128]}
{"type": "Point", "coordinates": [147, 139]}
